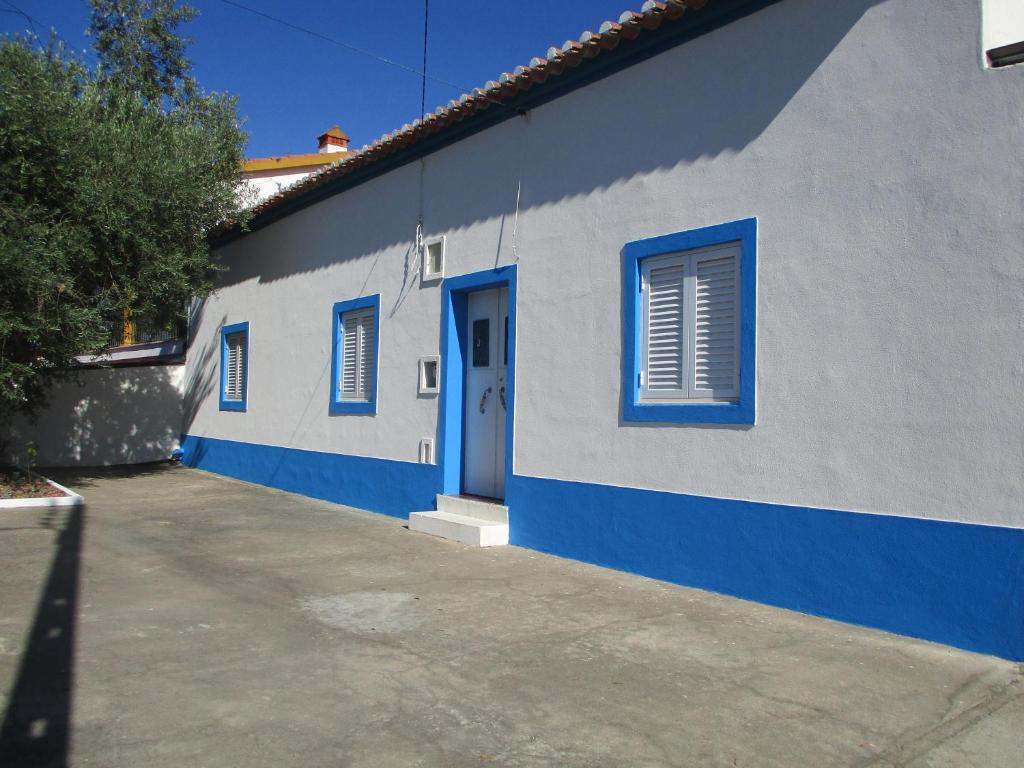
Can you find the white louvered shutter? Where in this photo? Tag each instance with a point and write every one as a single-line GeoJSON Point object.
{"type": "Point", "coordinates": [691, 325]}
{"type": "Point", "coordinates": [234, 376]}
{"type": "Point", "coordinates": [715, 361]}
{"type": "Point", "coordinates": [357, 363]}
{"type": "Point", "coordinates": [665, 337]}
{"type": "Point", "coordinates": [350, 355]}
{"type": "Point", "coordinates": [366, 361]}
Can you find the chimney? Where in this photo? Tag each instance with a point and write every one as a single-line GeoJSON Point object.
{"type": "Point", "coordinates": [334, 140]}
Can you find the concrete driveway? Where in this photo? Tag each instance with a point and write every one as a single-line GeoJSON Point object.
{"type": "Point", "coordinates": [183, 619]}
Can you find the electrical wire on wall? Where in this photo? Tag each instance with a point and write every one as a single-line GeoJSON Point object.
{"type": "Point", "coordinates": [515, 222]}
{"type": "Point", "coordinates": [519, 185]}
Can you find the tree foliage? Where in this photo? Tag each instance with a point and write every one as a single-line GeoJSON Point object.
{"type": "Point", "coordinates": [110, 178]}
{"type": "Point", "coordinates": [139, 50]}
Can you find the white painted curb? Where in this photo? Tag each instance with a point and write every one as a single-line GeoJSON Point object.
{"type": "Point", "coordinates": [71, 500]}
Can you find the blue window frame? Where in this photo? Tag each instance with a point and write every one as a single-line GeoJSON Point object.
{"type": "Point", "coordinates": [234, 367]}
{"type": "Point", "coordinates": [355, 325]}
{"type": "Point", "coordinates": [639, 257]}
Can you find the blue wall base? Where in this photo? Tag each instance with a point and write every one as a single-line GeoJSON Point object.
{"type": "Point", "coordinates": [391, 487]}
{"type": "Point", "coordinates": [953, 583]}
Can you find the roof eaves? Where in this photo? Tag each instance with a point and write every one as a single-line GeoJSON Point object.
{"type": "Point", "coordinates": [563, 69]}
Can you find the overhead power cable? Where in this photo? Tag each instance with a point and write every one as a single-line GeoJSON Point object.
{"type": "Point", "coordinates": [356, 49]}
{"type": "Point", "coordinates": [18, 12]}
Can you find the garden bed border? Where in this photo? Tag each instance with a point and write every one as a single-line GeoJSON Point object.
{"type": "Point", "coordinates": [72, 499]}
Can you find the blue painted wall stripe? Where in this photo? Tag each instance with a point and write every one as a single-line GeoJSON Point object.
{"type": "Point", "coordinates": [379, 485]}
{"type": "Point", "coordinates": [953, 583]}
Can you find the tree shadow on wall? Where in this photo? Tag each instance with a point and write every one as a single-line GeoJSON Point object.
{"type": "Point", "coordinates": [118, 415]}
{"type": "Point", "coordinates": [36, 729]}
{"type": "Point", "coordinates": [202, 377]}
{"type": "Point", "coordinates": [122, 415]}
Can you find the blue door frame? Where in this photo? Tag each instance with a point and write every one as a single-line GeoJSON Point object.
{"type": "Point", "coordinates": [454, 352]}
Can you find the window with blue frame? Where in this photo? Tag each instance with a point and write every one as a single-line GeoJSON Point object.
{"type": "Point", "coordinates": [356, 328]}
{"type": "Point", "coordinates": [689, 326]}
{"type": "Point", "coordinates": [234, 367]}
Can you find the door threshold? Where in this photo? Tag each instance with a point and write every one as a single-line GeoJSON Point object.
{"type": "Point", "coordinates": [485, 499]}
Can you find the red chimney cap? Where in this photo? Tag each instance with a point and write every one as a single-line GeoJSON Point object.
{"type": "Point", "coordinates": [334, 136]}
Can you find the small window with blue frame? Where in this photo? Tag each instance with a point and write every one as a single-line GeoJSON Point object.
{"type": "Point", "coordinates": [234, 367]}
{"type": "Point", "coordinates": [356, 328]}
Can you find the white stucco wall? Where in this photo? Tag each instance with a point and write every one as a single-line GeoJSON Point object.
{"type": "Point", "coordinates": [1002, 22]}
{"type": "Point", "coordinates": [109, 416]}
{"type": "Point", "coordinates": [883, 163]}
{"type": "Point", "coordinates": [267, 183]}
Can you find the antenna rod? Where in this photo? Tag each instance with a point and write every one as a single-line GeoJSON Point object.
{"type": "Point", "coordinates": [423, 92]}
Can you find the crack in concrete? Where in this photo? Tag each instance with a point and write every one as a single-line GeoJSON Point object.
{"type": "Point", "coordinates": [918, 742]}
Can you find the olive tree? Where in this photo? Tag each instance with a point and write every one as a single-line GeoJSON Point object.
{"type": "Point", "coordinates": [111, 177]}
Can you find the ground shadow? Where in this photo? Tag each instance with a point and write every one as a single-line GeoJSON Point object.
{"type": "Point", "coordinates": [81, 478]}
{"type": "Point", "coordinates": [36, 728]}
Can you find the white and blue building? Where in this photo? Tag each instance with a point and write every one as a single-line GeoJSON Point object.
{"type": "Point", "coordinates": [730, 296]}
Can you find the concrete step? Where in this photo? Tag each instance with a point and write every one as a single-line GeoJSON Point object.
{"type": "Point", "coordinates": [473, 507]}
{"type": "Point", "coordinates": [462, 528]}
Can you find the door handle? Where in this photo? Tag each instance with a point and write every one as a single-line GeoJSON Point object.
{"type": "Point", "coordinates": [501, 396]}
{"type": "Point", "coordinates": [483, 400]}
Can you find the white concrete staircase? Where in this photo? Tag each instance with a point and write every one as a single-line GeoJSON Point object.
{"type": "Point", "coordinates": [477, 522]}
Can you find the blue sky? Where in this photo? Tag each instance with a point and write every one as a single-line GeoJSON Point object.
{"type": "Point", "coordinates": [292, 86]}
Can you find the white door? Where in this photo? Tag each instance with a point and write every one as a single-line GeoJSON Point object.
{"type": "Point", "coordinates": [486, 389]}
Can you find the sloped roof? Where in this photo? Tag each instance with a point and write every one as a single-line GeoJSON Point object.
{"type": "Point", "coordinates": [639, 34]}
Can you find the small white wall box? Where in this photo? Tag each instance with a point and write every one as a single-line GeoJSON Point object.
{"type": "Point", "coordinates": [426, 451]}
{"type": "Point", "coordinates": [430, 375]}
{"type": "Point", "coordinates": [433, 258]}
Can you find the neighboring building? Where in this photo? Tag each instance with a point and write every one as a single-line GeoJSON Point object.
{"type": "Point", "coordinates": [269, 175]}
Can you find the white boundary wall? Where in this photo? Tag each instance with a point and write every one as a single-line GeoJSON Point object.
{"type": "Point", "coordinates": [110, 416]}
